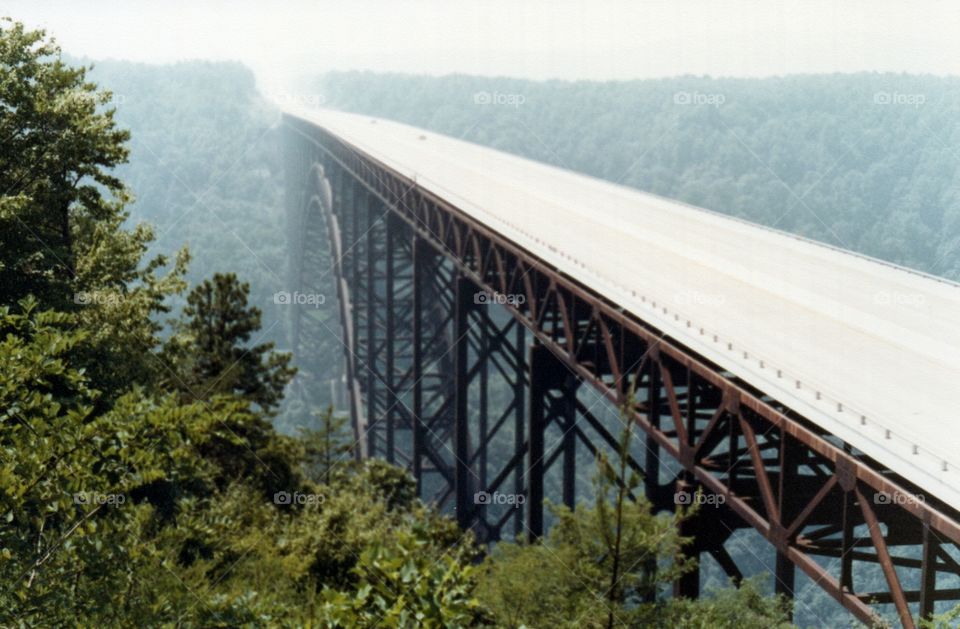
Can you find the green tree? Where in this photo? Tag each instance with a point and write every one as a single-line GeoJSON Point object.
{"type": "Point", "coordinates": [743, 607]}
{"type": "Point", "coordinates": [402, 586]}
{"type": "Point", "coordinates": [209, 354]}
{"type": "Point", "coordinates": [942, 621]}
{"type": "Point", "coordinates": [62, 210]}
{"type": "Point", "coordinates": [638, 578]}
{"type": "Point", "coordinates": [77, 486]}
{"type": "Point", "coordinates": [610, 565]}
{"type": "Point", "coordinates": [327, 446]}
{"type": "Point", "coordinates": [57, 147]}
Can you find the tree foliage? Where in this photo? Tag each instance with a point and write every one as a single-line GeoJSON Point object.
{"type": "Point", "coordinates": [210, 354]}
{"type": "Point", "coordinates": [55, 159]}
{"type": "Point", "coordinates": [401, 584]}
{"type": "Point", "coordinates": [611, 565]}
{"type": "Point", "coordinates": [328, 446]}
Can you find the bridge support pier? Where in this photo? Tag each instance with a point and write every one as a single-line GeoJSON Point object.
{"type": "Point", "coordinates": [552, 401]}
{"type": "Point", "coordinates": [488, 349]}
{"type": "Point", "coordinates": [433, 372]}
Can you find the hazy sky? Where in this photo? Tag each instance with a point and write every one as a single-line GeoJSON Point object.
{"type": "Point", "coordinates": [528, 38]}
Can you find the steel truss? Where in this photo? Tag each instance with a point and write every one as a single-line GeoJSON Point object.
{"type": "Point", "coordinates": [423, 353]}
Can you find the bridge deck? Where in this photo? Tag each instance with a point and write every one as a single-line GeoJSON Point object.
{"type": "Point", "coordinates": [864, 339]}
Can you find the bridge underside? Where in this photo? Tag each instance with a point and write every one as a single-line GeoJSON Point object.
{"type": "Point", "coordinates": [480, 398]}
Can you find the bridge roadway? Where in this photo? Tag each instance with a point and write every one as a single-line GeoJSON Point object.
{"type": "Point", "coordinates": [867, 350]}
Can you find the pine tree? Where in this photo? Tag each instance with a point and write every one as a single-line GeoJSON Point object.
{"type": "Point", "coordinates": [327, 446]}
{"type": "Point", "coordinates": [210, 354]}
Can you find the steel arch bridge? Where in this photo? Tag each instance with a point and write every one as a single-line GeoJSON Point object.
{"type": "Point", "coordinates": [464, 354]}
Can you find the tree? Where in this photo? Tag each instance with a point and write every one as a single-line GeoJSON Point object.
{"type": "Point", "coordinates": [942, 621]}
{"type": "Point", "coordinates": [609, 565]}
{"type": "Point", "coordinates": [742, 607]}
{"type": "Point", "coordinates": [77, 486]}
{"type": "Point", "coordinates": [621, 482]}
{"type": "Point", "coordinates": [209, 355]}
{"type": "Point", "coordinates": [402, 586]}
{"type": "Point", "coordinates": [56, 150]}
{"type": "Point", "coordinates": [62, 210]}
{"type": "Point", "coordinates": [327, 446]}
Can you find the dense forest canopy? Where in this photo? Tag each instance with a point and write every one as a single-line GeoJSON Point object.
{"type": "Point", "coordinates": [866, 162]}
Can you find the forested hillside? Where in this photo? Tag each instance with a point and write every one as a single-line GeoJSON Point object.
{"type": "Point", "coordinates": [205, 171]}
{"type": "Point", "coordinates": [142, 482]}
{"type": "Point", "coordinates": [867, 162]}
{"type": "Point", "coordinates": [204, 165]}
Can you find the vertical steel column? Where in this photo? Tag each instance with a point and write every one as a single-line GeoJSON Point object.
{"type": "Point", "coordinates": [416, 464]}
{"type": "Point", "coordinates": [461, 426]}
{"type": "Point", "coordinates": [651, 460]}
{"type": "Point", "coordinates": [540, 366]}
{"type": "Point", "coordinates": [519, 440]}
{"type": "Point", "coordinates": [928, 572]}
{"type": "Point", "coordinates": [485, 349]}
{"type": "Point", "coordinates": [368, 223]}
{"type": "Point", "coordinates": [846, 543]}
{"type": "Point", "coordinates": [390, 338]}
{"type": "Point", "coordinates": [688, 585]}
{"type": "Point", "coordinates": [547, 374]}
{"type": "Point", "coordinates": [691, 410]}
{"type": "Point", "coordinates": [785, 575]}
{"type": "Point", "coordinates": [569, 445]}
